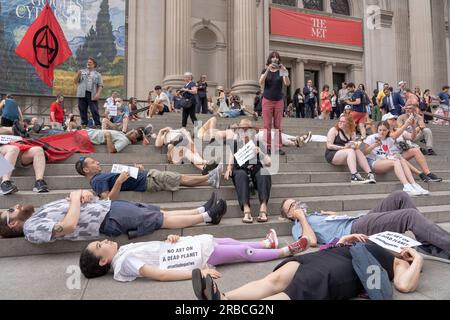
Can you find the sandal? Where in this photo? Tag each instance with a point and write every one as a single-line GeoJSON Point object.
{"type": "Point", "coordinates": [263, 217]}
{"type": "Point", "coordinates": [249, 220]}
{"type": "Point", "coordinates": [198, 284]}
{"type": "Point", "coordinates": [212, 291]}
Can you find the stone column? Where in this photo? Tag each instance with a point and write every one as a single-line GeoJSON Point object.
{"type": "Point", "coordinates": [300, 73]}
{"type": "Point", "coordinates": [438, 15]}
{"type": "Point", "coordinates": [422, 62]}
{"type": "Point", "coordinates": [245, 48]}
{"type": "Point", "coordinates": [328, 73]}
{"type": "Point", "coordinates": [327, 6]}
{"type": "Point", "coordinates": [356, 74]}
{"type": "Point", "coordinates": [178, 41]}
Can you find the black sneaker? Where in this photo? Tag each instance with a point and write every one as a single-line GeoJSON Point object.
{"type": "Point", "coordinates": [430, 252]}
{"type": "Point", "coordinates": [8, 187]}
{"type": "Point", "coordinates": [209, 167]}
{"type": "Point", "coordinates": [431, 152]}
{"type": "Point", "coordinates": [434, 178]}
{"type": "Point", "coordinates": [424, 151]}
{"type": "Point", "coordinates": [208, 205]}
{"type": "Point", "coordinates": [357, 179]}
{"type": "Point", "coordinates": [217, 212]}
{"type": "Point", "coordinates": [281, 152]}
{"type": "Point", "coordinates": [424, 177]}
{"type": "Point", "coordinates": [40, 186]}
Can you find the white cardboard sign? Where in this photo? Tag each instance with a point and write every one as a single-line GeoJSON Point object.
{"type": "Point", "coordinates": [183, 255]}
{"type": "Point", "coordinates": [8, 139]}
{"type": "Point", "coordinates": [246, 153]}
{"type": "Point", "coordinates": [394, 241]}
{"type": "Point", "coordinates": [132, 171]}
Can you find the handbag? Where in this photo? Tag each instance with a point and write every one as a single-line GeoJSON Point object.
{"type": "Point", "coordinates": [186, 103]}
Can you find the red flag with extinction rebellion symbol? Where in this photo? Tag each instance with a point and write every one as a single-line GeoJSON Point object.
{"type": "Point", "coordinates": [44, 45]}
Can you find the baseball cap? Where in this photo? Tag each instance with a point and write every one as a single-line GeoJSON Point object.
{"type": "Point", "coordinates": [402, 82]}
{"type": "Point", "coordinates": [348, 107]}
{"type": "Point", "coordinates": [388, 116]}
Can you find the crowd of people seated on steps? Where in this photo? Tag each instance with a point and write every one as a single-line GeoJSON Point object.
{"type": "Point", "coordinates": [377, 135]}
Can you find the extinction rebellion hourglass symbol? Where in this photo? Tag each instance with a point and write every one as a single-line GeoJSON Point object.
{"type": "Point", "coordinates": [46, 47]}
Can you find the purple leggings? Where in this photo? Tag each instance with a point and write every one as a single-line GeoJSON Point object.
{"type": "Point", "coordinates": [228, 251]}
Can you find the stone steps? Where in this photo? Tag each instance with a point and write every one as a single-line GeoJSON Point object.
{"type": "Point", "coordinates": [304, 174]}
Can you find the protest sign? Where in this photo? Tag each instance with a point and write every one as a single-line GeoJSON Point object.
{"type": "Point", "coordinates": [132, 171]}
{"type": "Point", "coordinates": [246, 153]}
{"type": "Point", "coordinates": [186, 254]}
{"type": "Point", "coordinates": [8, 139]}
{"type": "Point", "coordinates": [393, 241]}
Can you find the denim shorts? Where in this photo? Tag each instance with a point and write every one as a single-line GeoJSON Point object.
{"type": "Point", "coordinates": [445, 107]}
{"type": "Point", "coordinates": [371, 163]}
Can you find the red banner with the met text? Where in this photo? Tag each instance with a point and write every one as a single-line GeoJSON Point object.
{"type": "Point", "coordinates": [316, 27]}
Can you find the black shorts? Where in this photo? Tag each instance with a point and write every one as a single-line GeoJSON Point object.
{"type": "Point", "coordinates": [7, 123]}
{"type": "Point", "coordinates": [127, 216]}
{"type": "Point", "coordinates": [165, 109]}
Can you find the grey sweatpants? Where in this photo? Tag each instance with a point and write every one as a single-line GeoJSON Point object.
{"type": "Point", "coordinates": [397, 213]}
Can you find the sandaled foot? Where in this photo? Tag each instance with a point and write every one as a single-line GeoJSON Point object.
{"type": "Point", "coordinates": [263, 217]}
{"type": "Point", "coordinates": [198, 284]}
{"type": "Point", "coordinates": [212, 291]}
{"type": "Point", "coordinates": [248, 218]}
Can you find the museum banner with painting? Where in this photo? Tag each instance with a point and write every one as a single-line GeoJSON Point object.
{"type": "Point", "coordinates": [92, 28]}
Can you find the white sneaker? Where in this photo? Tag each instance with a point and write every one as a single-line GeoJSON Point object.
{"type": "Point", "coordinates": [421, 190]}
{"type": "Point", "coordinates": [409, 189]}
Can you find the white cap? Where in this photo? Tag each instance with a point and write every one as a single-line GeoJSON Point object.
{"type": "Point", "coordinates": [402, 83]}
{"type": "Point", "coordinates": [388, 116]}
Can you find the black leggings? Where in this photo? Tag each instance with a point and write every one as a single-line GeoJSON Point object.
{"type": "Point", "coordinates": [189, 113]}
{"type": "Point", "coordinates": [263, 183]}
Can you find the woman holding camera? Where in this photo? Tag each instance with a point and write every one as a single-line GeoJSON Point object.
{"type": "Point", "coordinates": [342, 150]}
{"type": "Point", "coordinates": [272, 79]}
{"type": "Point", "coordinates": [384, 157]}
{"type": "Point", "coordinates": [188, 93]}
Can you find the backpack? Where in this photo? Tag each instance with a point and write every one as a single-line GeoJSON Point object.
{"type": "Point", "coordinates": [365, 99]}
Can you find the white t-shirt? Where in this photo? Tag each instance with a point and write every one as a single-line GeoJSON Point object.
{"type": "Point", "coordinates": [386, 149]}
{"type": "Point", "coordinates": [164, 99]}
{"type": "Point", "coordinates": [131, 258]}
{"type": "Point", "coordinates": [172, 135]}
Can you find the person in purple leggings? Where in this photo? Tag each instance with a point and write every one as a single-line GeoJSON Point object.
{"type": "Point", "coordinates": [176, 258]}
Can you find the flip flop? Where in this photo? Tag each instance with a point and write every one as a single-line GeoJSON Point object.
{"type": "Point", "coordinates": [198, 284]}
{"type": "Point", "coordinates": [211, 291]}
{"type": "Point", "coordinates": [248, 221]}
{"type": "Point", "coordinates": [261, 219]}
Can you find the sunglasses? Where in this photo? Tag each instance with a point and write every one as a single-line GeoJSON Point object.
{"type": "Point", "coordinates": [82, 160]}
{"type": "Point", "coordinates": [8, 215]}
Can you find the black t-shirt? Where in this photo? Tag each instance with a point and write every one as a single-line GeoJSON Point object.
{"type": "Point", "coordinates": [189, 86]}
{"type": "Point", "coordinates": [329, 274]}
{"type": "Point", "coordinates": [202, 87]}
{"type": "Point", "coordinates": [273, 88]}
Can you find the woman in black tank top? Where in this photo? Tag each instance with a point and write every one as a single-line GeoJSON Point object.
{"type": "Point", "coordinates": [342, 150]}
{"type": "Point", "coordinates": [325, 275]}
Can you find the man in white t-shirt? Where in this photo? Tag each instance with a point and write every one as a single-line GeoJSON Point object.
{"type": "Point", "coordinates": [161, 105]}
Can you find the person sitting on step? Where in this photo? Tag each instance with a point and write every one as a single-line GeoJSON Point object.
{"type": "Point", "coordinates": [109, 185]}
{"type": "Point", "coordinates": [344, 150]}
{"type": "Point", "coordinates": [120, 118]}
{"type": "Point", "coordinates": [409, 150]}
{"type": "Point", "coordinates": [383, 157]}
{"type": "Point", "coordinates": [252, 175]}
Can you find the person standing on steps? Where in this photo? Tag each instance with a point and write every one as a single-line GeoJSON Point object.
{"type": "Point", "coordinates": [272, 79]}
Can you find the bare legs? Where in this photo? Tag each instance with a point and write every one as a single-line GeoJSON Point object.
{"type": "Point", "coordinates": [10, 153]}
{"type": "Point", "coordinates": [400, 167]}
{"type": "Point", "coordinates": [352, 158]}
{"type": "Point", "coordinates": [420, 158]}
{"type": "Point", "coordinates": [270, 287]}
{"type": "Point", "coordinates": [194, 181]}
{"type": "Point", "coordinates": [108, 125]}
{"type": "Point", "coordinates": [37, 157]}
